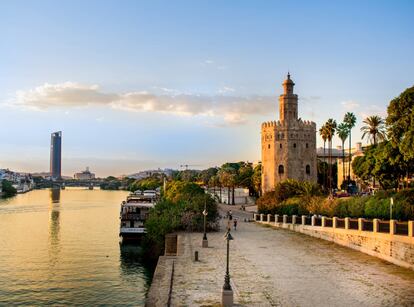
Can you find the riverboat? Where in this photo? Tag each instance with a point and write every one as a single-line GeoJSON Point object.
{"type": "Point", "coordinates": [134, 213]}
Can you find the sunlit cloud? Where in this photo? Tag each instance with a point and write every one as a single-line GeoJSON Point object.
{"type": "Point", "coordinates": [350, 105]}
{"type": "Point", "coordinates": [232, 109]}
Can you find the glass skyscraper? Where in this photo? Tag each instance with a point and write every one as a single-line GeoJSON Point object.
{"type": "Point", "coordinates": [56, 155]}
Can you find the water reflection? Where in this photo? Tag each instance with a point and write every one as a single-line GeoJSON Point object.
{"type": "Point", "coordinates": [55, 195]}
{"type": "Point", "coordinates": [54, 226]}
{"type": "Point", "coordinates": [132, 263]}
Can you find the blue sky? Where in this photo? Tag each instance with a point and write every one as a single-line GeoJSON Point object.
{"type": "Point", "coordinates": [143, 84]}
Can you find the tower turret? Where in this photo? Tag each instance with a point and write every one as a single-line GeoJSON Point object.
{"type": "Point", "coordinates": [288, 102]}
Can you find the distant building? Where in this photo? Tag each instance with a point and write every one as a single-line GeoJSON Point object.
{"type": "Point", "coordinates": [85, 175]}
{"type": "Point", "coordinates": [357, 151]}
{"type": "Point", "coordinates": [56, 155]}
{"type": "Point", "coordinates": [148, 173]}
{"type": "Point", "coordinates": [289, 144]}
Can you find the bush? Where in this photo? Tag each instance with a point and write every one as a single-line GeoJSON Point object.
{"type": "Point", "coordinates": [377, 206]}
{"type": "Point", "coordinates": [8, 189]}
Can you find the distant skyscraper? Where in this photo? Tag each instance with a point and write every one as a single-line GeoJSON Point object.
{"type": "Point", "coordinates": [56, 155]}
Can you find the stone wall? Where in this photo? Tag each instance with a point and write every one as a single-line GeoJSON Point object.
{"type": "Point", "coordinates": [397, 249]}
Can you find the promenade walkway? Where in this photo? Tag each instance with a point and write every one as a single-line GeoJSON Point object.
{"type": "Point", "coordinates": [274, 267]}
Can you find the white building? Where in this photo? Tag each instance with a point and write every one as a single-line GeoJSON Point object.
{"type": "Point", "coordinates": [84, 175]}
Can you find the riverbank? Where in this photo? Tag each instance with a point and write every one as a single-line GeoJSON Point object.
{"type": "Point", "coordinates": [276, 267]}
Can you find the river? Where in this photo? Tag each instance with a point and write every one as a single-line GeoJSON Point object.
{"type": "Point", "coordinates": [62, 248]}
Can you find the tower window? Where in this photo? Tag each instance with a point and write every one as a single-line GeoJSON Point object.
{"type": "Point", "coordinates": [280, 145]}
{"type": "Point", "coordinates": [281, 169]}
{"type": "Point", "coordinates": [308, 169]}
{"type": "Point", "coordinates": [268, 146]}
{"type": "Point", "coordinates": [307, 145]}
{"type": "Point", "coordinates": [294, 145]}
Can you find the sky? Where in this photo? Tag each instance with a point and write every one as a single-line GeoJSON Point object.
{"type": "Point", "coordinates": [138, 85]}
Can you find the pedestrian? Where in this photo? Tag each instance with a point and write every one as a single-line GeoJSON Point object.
{"type": "Point", "coordinates": [235, 224]}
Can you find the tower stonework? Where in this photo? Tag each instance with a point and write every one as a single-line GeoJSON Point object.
{"type": "Point", "coordinates": [289, 144]}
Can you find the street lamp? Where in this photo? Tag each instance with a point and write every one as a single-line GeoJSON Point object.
{"type": "Point", "coordinates": [227, 292]}
{"type": "Point", "coordinates": [205, 241]}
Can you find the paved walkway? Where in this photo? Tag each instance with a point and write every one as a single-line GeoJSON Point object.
{"type": "Point", "coordinates": [275, 267]}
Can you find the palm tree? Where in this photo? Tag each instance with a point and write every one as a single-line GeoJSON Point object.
{"type": "Point", "coordinates": [330, 128]}
{"type": "Point", "coordinates": [323, 133]}
{"type": "Point", "coordinates": [374, 129]}
{"type": "Point", "coordinates": [342, 132]}
{"type": "Point", "coordinates": [350, 121]}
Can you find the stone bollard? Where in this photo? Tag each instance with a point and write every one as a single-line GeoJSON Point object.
{"type": "Point", "coordinates": [323, 221]}
{"type": "Point", "coordinates": [313, 220]}
{"type": "Point", "coordinates": [254, 217]}
{"type": "Point", "coordinates": [303, 219]}
{"type": "Point", "coordinates": [196, 256]}
{"type": "Point", "coordinates": [284, 218]}
{"type": "Point", "coordinates": [261, 217]}
{"type": "Point", "coordinates": [334, 222]}
{"type": "Point", "coordinates": [276, 218]}
{"type": "Point", "coordinates": [293, 219]}
{"type": "Point", "coordinates": [268, 218]}
{"type": "Point", "coordinates": [411, 228]}
{"type": "Point", "coordinates": [347, 223]}
{"type": "Point", "coordinates": [375, 225]}
{"type": "Point", "coordinates": [393, 227]}
{"type": "Point", "coordinates": [360, 224]}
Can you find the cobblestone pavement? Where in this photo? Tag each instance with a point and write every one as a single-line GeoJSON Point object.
{"type": "Point", "coordinates": [275, 267]}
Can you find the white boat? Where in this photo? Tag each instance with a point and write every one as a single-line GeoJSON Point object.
{"type": "Point", "coordinates": [134, 213]}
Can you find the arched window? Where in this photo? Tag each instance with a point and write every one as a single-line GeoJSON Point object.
{"type": "Point", "coordinates": [281, 169]}
{"type": "Point", "coordinates": [280, 145]}
{"type": "Point", "coordinates": [294, 145]}
{"type": "Point", "coordinates": [307, 145]}
{"type": "Point", "coordinates": [268, 146]}
{"type": "Point", "coordinates": [308, 169]}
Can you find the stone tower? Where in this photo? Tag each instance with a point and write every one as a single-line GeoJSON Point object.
{"type": "Point", "coordinates": [289, 144]}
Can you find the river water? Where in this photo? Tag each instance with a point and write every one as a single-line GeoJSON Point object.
{"type": "Point", "coordinates": [62, 248]}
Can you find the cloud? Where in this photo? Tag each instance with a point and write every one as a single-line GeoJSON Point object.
{"type": "Point", "coordinates": [350, 105]}
{"type": "Point", "coordinates": [233, 110]}
{"type": "Point", "coordinates": [226, 89]}
{"type": "Point", "coordinates": [373, 110]}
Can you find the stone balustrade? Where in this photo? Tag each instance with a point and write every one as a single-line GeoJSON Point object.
{"type": "Point", "coordinates": [390, 240]}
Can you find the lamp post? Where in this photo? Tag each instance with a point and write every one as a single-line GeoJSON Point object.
{"type": "Point", "coordinates": [205, 241]}
{"type": "Point", "coordinates": [227, 292]}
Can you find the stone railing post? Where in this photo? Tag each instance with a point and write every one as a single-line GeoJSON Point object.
{"type": "Point", "coordinates": [293, 219]}
{"type": "Point", "coordinates": [268, 218]}
{"type": "Point", "coordinates": [393, 227]}
{"type": "Point", "coordinates": [411, 228]}
{"type": "Point", "coordinates": [276, 218]}
{"type": "Point", "coordinates": [347, 223]}
{"type": "Point", "coordinates": [334, 222]}
{"type": "Point", "coordinates": [254, 217]}
{"type": "Point", "coordinates": [261, 217]}
{"type": "Point", "coordinates": [323, 221]}
{"type": "Point", "coordinates": [303, 219]}
{"type": "Point", "coordinates": [360, 224]}
{"type": "Point", "coordinates": [313, 220]}
{"type": "Point", "coordinates": [284, 218]}
{"type": "Point", "coordinates": [375, 225]}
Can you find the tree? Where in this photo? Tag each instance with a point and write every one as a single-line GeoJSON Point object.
{"type": "Point", "coordinates": [8, 189]}
{"type": "Point", "coordinates": [400, 122]}
{"type": "Point", "coordinates": [350, 121]}
{"type": "Point", "coordinates": [227, 175]}
{"type": "Point", "coordinates": [342, 132]}
{"type": "Point", "coordinates": [374, 129]}
{"type": "Point", "coordinates": [257, 179]}
{"type": "Point", "coordinates": [324, 134]}
{"type": "Point", "coordinates": [330, 127]}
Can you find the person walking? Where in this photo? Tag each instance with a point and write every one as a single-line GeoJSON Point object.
{"type": "Point", "coordinates": [235, 224]}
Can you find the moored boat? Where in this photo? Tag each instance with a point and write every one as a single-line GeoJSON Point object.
{"type": "Point", "coordinates": [134, 213]}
